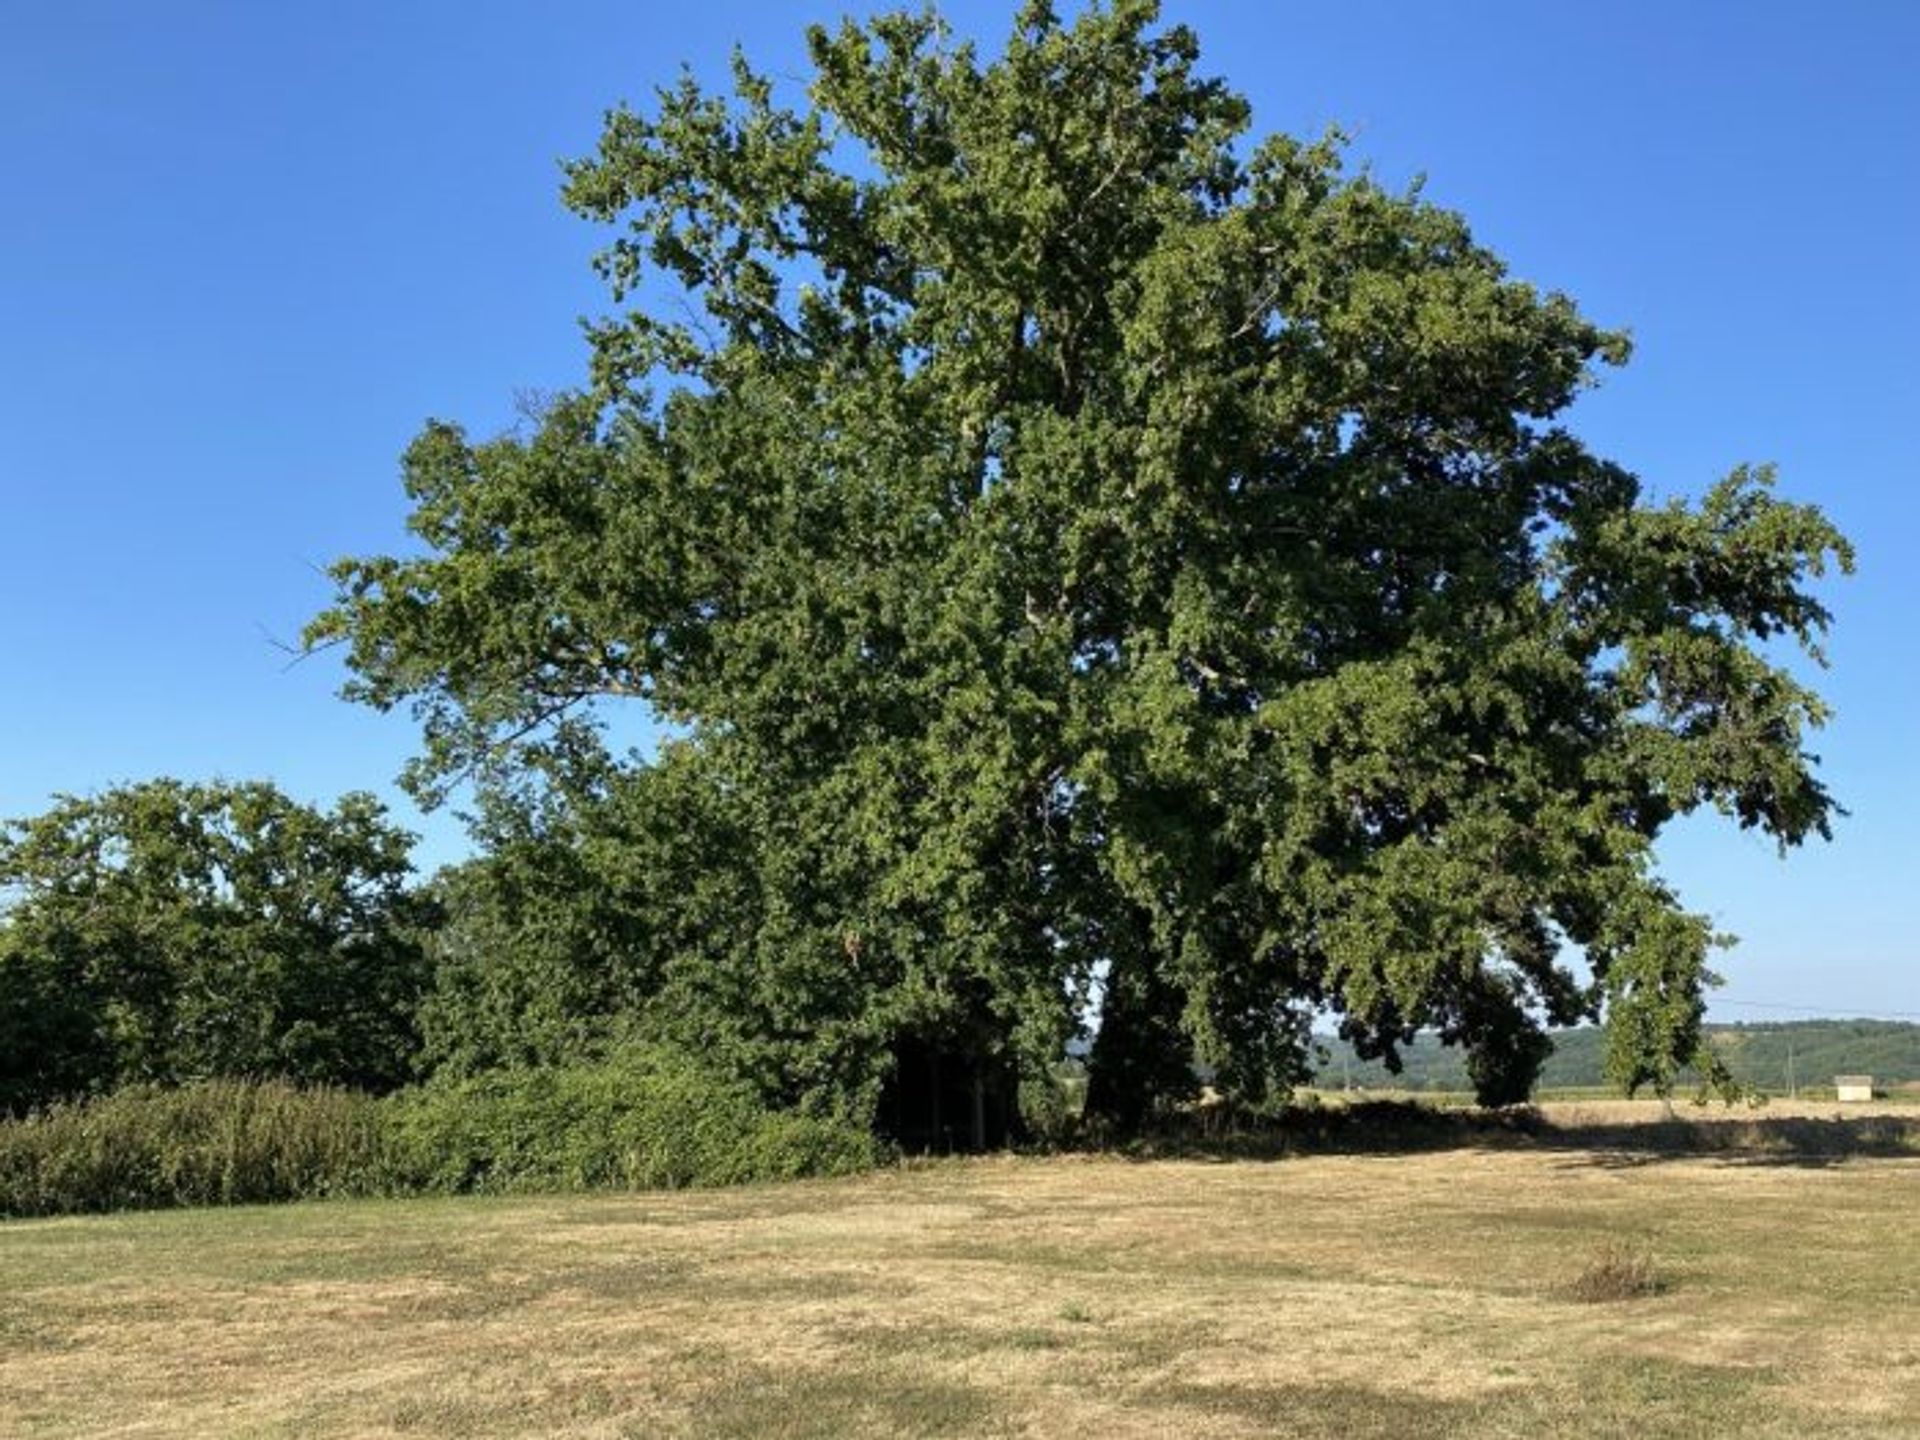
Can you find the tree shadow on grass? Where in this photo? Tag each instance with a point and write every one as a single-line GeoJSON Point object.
{"type": "Point", "coordinates": [1810, 1142]}
{"type": "Point", "coordinates": [1390, 1127]}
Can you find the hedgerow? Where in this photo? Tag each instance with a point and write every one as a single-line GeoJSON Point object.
{"type": "Point", "coordinates": [640, 1118]}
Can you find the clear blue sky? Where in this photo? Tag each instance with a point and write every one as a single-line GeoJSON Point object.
{"type": "Point", "coordinates": [248, 248]}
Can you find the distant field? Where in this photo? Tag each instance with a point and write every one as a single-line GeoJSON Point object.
{"type": "Point", "coordinates": [1332, 1295]}
{"type": "Point", "coordinates": [1578, 1101]}
{"type": "Point", "coordinates": [1775, 1057]}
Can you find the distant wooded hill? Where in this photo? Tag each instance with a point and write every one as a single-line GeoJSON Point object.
{"type": "Point", "coordinates": [1757, 1054]}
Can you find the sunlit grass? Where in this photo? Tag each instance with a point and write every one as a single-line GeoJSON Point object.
{"type": "Point", "coordinates": [1352, 1295]}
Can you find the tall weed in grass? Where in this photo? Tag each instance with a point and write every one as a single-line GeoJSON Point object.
{"type": "Point", "coordinates": [1619, 1270]}
{"type": "Point", "coordinates": [220, 1142]}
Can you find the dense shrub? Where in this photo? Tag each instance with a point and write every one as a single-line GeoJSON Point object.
{"type": "Point", "coordinates": [215, 1143]}
{"type": "Point", "coordinates": [640, 1119]}
{"type": "Point", "coordinates": [644, 1118]}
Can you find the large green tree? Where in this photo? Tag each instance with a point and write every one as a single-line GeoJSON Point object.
{"type": "Point", "coordinates": [1092, 559]}
{"type": "Point", "coordinates": [166, 931]}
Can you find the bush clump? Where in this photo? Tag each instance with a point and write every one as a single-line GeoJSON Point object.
{"type": "Point", "coordinates": [219, 1142]}
{"type": "Point", "coordinates": [642, 1118]}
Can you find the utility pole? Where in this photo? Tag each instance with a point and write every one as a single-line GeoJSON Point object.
{"type": "Point", "coordinates": [1793, 1090]}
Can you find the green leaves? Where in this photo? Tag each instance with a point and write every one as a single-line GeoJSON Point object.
{"type": "Point", "coordinates": [1085, 556]}
{"type": "Point", "coordinates": [168, 931]}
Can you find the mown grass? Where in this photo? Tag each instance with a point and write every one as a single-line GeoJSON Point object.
{"type": "Point", "coordinates": [1406, 1295]}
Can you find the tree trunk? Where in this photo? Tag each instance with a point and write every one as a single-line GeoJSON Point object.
{"type": "Point", "coordinates": [1141, 1056]}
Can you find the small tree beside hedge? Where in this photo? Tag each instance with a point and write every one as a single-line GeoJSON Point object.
{"type": "Point", "coordinates": [166, 932]}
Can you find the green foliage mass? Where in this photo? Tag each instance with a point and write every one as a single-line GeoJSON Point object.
{"type": "Point", "coordinates": [1818, 1050]}
{"type": "Point", "coordinates": [636, 1119]}
{"type": "Point", "coordinates": [166, 932]}
{"type": "Point", "coordinates": [217, 1142]}
{"type": "Point", "coordinates": [1090, 559]}
{"type": "Point", "coordinates": [642, 1118]}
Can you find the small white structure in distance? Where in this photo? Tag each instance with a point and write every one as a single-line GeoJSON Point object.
{"type": "Point", "coordinates": [1853, 1087]}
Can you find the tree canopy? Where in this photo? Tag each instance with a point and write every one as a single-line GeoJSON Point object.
{"type": "Point", "coordinates": [166, 931]}
{"type": "Point", "coordinates": [1091, 563]}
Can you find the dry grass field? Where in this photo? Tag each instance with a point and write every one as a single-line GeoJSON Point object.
{"type": "Point", "coordinates": [1761, 1293]}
